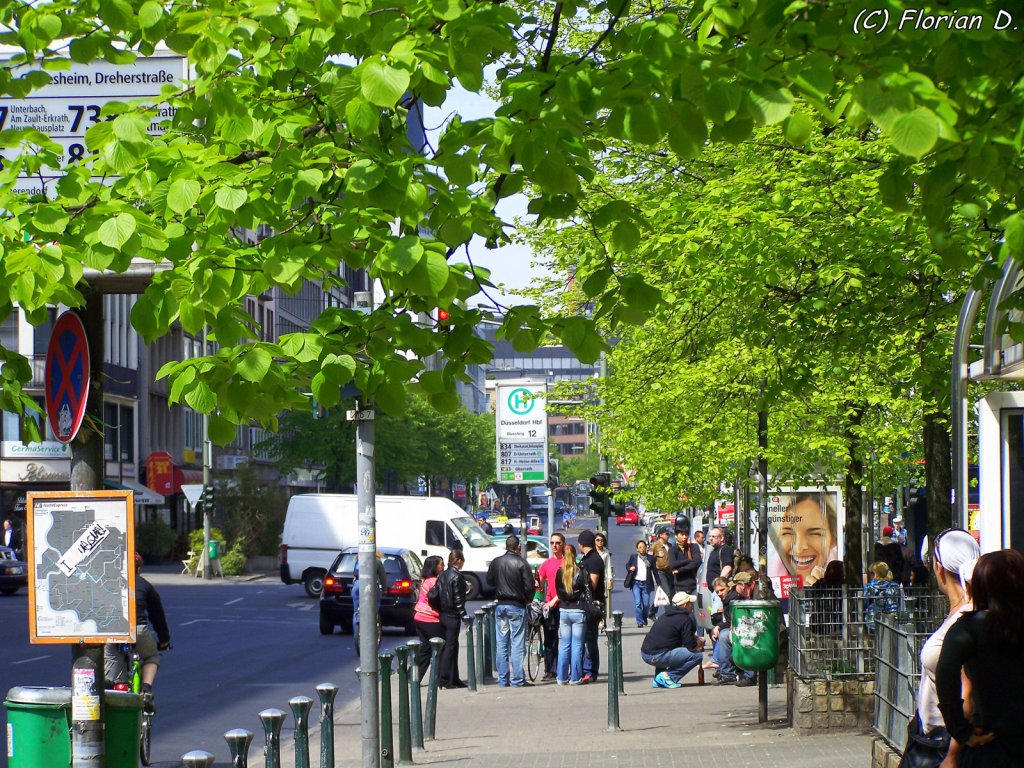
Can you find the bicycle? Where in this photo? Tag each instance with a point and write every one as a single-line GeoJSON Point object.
{"type": "Point", "coordinates": [134, 685]}
{"type": "Point", "coordinates": [534, 640]}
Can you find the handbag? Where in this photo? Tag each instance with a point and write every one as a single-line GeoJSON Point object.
{"type": "Point", "coordinates": [660, 598]}
{"type": "Point", "coordinates": [630, 580]}
{"type": "Point", "coordinates": [924, 751]}
{"type": "Point", "coordinates": [434, 597]}
{"type": "Point", "coordinates": [593, 611]}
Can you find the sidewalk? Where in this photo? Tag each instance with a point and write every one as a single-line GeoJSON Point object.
{"type": "Point", "coordinates": [550, 726]}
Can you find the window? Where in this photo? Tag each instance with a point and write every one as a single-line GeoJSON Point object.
{"type": "Point", "coordinates": [118, 432]}
{"type": "Point", "coordinates": [435, 533]}
{"type": "Point", "coordinates": [9, 330]}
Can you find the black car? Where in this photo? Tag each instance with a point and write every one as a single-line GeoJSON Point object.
{"type": "Point", "coordinates": [13, 573]}
{"type": "Point", "coordinates": [402, 568]}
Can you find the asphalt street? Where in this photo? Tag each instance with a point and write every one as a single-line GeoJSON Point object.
{"type": "Point", "coordinates": [239, 647]}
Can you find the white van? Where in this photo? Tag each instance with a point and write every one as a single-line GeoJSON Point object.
{"type": "Point", "coordinates": [319, 525]}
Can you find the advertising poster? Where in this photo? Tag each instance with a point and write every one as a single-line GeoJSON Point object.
{"type": "Point", "coordinates": [805, 533]}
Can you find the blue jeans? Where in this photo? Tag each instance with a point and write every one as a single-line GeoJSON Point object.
{"type": "Point", "coordinates": [572, 627]}
{"type": "Point", "coordinates": [641, 602]}
{"type": "Point", "coordinates": [723, 655]}
{"type": "Point", "coordinates": [676, 662]}
{"type": "Point", "coordinates": [511, 642]}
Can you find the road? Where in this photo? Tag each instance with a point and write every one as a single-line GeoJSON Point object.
{"type": "Point", "coordinates": [239, 648]}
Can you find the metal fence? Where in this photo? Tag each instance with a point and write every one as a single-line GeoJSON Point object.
{"type": "Point", "coordinates": [832, 631]}
{"type": "Point", "coordinates": [898, 642]}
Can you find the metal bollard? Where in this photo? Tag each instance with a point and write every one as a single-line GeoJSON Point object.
{"type": "Point", "coordinates": [272, 720]}
{"type": "Point", "coordinates": [238, 741]}
{"type": "Point", "coordinates": [492, 642]}
{"type": "Point", "coordinates": [416, 703]}
{"type": "Point", "coordinates": [436, 644]}
{"type": "Point", "coordinates": [617, 623]}
{"type": "Point", "coordinates": [470, 661]}
{"type": "Point", "coordinates": [197, 758]}
{"type": "Point", "coordinates": [387, 734]}
{"type": "Point", "coordinates": [300, 706]}
{"type": "Point", "coordinates": [404, 731]}
{"type": "Point", "coordinates": [327, 692]}
{"type": "Point", "coordinates": [478, 650]}
{"type": "Point", "coordinates": [613, 675]}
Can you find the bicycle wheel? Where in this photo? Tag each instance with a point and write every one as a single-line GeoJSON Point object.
{"type": "Point", "coordinates": [534, 653]}
{"type": "Point", "coordinates": [146, 738]}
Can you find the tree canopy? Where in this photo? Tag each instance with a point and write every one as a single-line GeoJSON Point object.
{"type": "Point", "coordinates": [295, 119]}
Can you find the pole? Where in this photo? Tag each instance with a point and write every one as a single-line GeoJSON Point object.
{"type": "Point", "coordinates": [415, 694]}
{"type": "Point", "coordinates": [404, 728]}
{"type": "Point", "coordinates": [327, 692]}
{"type": "Point", "coordinates": [87, 475]}
{"type": "Point", "coordinates": [387, 728]}
{"type": "Point", "coordinates": [602, 374]}
{"type": "Point", "coordinates": [207, 450]}
{"type": "Point", "coordinates": [369, 693]}
{"type": "Point", "coordinates": [551, 511]}
{"type": "Point", "coordinates": [762, 537]}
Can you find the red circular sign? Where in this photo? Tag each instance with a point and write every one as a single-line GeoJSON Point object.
{"type": "Point", "coordinates": [67, 377]}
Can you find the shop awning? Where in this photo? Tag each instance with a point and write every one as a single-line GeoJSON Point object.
{"type": "Point", "coordinates": [143, 495]}
{"type": "Point", "coordinates": [186, 477]}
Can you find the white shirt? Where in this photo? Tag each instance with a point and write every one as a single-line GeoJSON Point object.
{"type": "Point", "coordinates": [641, 570]}
{"type": "Point", "coordinates": [927, 698]}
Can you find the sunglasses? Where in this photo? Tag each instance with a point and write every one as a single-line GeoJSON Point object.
{"type": "Point", "coordinates": [555, 543]}
{"type": "Point", "coordinates": [935, 548]}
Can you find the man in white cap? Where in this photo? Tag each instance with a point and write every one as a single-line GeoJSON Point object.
{"type": "Point", "coordinates": [899, 533]}
{"type": "Point", "coordinates": [672, 646]}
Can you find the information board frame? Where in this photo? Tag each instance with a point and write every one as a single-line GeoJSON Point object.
{"type": "Point", "coordinates": [118, 502]}
{"type": "Point", "coordinates": [521, 431]}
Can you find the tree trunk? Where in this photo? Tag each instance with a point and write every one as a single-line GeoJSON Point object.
{"type": "Point", "coordinates": [854, 500]}
{"type": "Point", "coordinates": [938, 472]}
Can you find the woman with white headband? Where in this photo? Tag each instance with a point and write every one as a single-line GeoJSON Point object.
{"type": "Point", "coordinates": [928, 743]}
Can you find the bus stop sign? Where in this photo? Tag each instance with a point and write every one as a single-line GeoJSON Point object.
{"type": "Point", "coordinates": [67, 377]}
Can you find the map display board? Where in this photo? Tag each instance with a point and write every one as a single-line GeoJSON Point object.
{"type": "Point", "coordinates": [522, 432]}
{"type": "Point", "coordinates": [73, 102]}
{"type": "Point", "coordinates": [81, 566]}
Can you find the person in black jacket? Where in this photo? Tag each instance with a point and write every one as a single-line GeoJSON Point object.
{"type": "Point", "coordinates": [452, 587]}
{"type": "Point", "coordinates": [151, 637]}
{"type": "Point", "coordinates": [672, 646]}
{"type": "Point", "coordinates": [684, 562]}
{"type": "Point", "coordinates": [513, 589]}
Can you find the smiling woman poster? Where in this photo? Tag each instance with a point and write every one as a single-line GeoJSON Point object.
{"type": "Point", "coordinates": [804, 535]}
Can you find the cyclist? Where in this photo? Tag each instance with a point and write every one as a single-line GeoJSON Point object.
{"type": "Point", "coordinates": [151, 637]}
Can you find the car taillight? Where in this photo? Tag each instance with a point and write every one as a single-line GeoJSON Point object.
{"type": "Point", "coordinates": [284, 554]}
{"type": "Point", "coordinates": [401, 587]}
{"type": "Point", "coordinates": [121, 687]}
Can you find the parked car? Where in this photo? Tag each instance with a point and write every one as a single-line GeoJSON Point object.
{"type": "Point", "coordinates": [13, 572]}
{"type": "Point", "coordinates": [629, 517]}
{"type": "Point", "coordinates": [402, 568]}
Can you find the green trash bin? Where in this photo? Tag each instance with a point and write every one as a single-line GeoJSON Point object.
{"type": "Point", "coordinates": [755, 633]}
{"type": "Point", "coordinates": [39, 727]}
{"type": "Point", "coordinates": [214, 549]}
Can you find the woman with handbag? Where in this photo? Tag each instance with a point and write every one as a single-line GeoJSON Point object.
{"type": "Point", "coordinates": [426, 614]}
{"type": "Point", "coordinates": [927, 739]}
{"type": "Point", "coordinates": [571, 586]}
{"type": "Point", "coordinates": [640, 579]}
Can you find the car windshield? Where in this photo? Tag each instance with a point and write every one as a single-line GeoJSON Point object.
{"type": "Point", "coordinates": [471, 532]}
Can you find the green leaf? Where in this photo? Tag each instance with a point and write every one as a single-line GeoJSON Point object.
{"type": "Point", "coordinates": [770, 104]}
{"type": "Point", "coordinates": [381, 84]}
{"type": "Point", "coordinates": [402, 255]}
{"type": "Point", "coordinates": [230, 198]}
{"type": "Point", "coordinates": [344, 90]}
{"type": "Point", "coordinates": [150, 14]}
{"type": "Point", "coordinates": [582, 339]}
{"type": "Point", "coordinates": [625, 236]}
{"type": "Point", "coordinates": [131, 127]}
{"type": "Point", "coordinates": [50, 218]}
{"type": "Point", "coordinates": [637, 293]}
{"type": "Point", "coordinates": [362, 118]}
{"type": "Point", "coordinates": [201, 398]}
{"type": "Point", "coordinates": [915, 133]}
{"type": "Point", "coordinates": [798, 129]}
{"type": "Point", "coordinates": [254, 364]}
{"type": "Point", "coordinates": [222, 431]}
{"type": "Point", "coordinates": [363, 176]}
{"type": "Point", "coordinates": [115, 231]}
{"type": "Point", "coordinates": [182, 195]}
{"type": "Point", "coordinates": [431, 274]}
{"type": "Point", "coordinates": [1013, 234]}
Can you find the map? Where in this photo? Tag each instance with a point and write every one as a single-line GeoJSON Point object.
{"type": "Point", "coordinates": [80, 569]}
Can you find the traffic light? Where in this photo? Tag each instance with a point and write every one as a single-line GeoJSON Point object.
{"type": "Point", "coordinates": [444, 320]}
{"type": "Point", "coordinates": [600, 487]}
{"type": "Point", "coordinates": [618, 508]}
{"type": "Point", "coordinates": [552, 473]}
{"type": "Point", "coordinates": [209, 499]}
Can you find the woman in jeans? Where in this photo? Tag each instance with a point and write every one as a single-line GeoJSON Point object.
{"type": "Point", "coordinates": [426, 619]}
{"type": "Point", "coordinates": [570, 583]}
{"type": "Point", "coordinates": [642, 568]}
